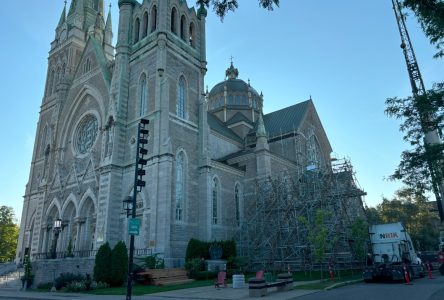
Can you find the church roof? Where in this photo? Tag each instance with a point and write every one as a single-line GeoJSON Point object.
{"type": "Point", "coordinates": [235, 154]}
{"type": "Point", "coordinates": [286, 120]}
{"type": "Point", "coordinates": [216, 125]}
{"type": "Point", "coordinates": [238, 117]}
{"type": "Point", "coordinates": [233, 85]}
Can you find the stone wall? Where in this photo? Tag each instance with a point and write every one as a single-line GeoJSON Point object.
{"type": "Point", "coordinates": [48, 270]}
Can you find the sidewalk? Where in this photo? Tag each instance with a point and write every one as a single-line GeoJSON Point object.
{"type": "Point", "coordinates": [200, 293]}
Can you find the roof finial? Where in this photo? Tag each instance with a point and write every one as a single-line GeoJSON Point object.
{"type": "Point", "coordinates": [231, 72]}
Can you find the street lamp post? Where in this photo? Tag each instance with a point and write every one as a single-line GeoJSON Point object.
{"type": "Point", "coordinates": [131, 202]}
{"type": "Point", "coordinates": [57, 229]}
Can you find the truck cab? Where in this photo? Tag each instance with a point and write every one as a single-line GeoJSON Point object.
{"type": "Point", "coordinates": [393, 253]}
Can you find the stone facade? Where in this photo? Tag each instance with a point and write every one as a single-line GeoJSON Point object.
{"type": "Point", "coordinates": [205, 149]}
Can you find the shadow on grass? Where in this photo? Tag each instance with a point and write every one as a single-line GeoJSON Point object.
{"type": "Point", "coordinates": [150, 289]}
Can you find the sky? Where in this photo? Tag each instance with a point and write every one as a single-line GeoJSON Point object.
{"type": "Point", "coordinates": [343, 54]}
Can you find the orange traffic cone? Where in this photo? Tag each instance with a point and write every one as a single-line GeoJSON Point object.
{"type": "Point", "coordinates": [406, 275]}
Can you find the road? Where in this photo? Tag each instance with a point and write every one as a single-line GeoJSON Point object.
{"type": "Point", "coordinates": [421, 289]}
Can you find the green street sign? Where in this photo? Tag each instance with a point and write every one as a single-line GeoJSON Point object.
{"type": "Point", "coordinates": [133, 226]}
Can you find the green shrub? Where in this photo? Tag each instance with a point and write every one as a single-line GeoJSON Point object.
{"type": "Point", "coordinates": [45, 285]}
{"type": "Point", "coordinates": [102, 264]}
{"type": "Point", "coordinates": [119, 265]}
{"type": "Point", "coordinates": [66, 278]}
{"type": "Point", "coordinates": [76, 286]}
{"type": "Point", "coordinates": [154, 262]}
{"type": "Point", "coordinates": [205, 275]}
{"type": "Point", "coordinates": [197, 249]}
{"type": "Point", "coordinates": [228, 248]}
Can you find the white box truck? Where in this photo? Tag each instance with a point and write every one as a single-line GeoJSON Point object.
{"type": "Point", "coordinates": [393, 254]}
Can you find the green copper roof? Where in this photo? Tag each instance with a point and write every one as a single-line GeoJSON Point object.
{"type": "Point", "coordinates": [286, 120]}
{"type": "Point", "coordinates": [216, 125]}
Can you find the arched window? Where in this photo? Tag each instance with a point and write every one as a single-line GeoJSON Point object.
{"type": "Point", "coordinates": [136, 30]}
{"type": "Point", "coordinates": [153, 18]}
{"type": "Point", "coordinates": [183, 28]}
{"type": "Point", "coordinates": [43, 141]}
{"type": "Point", "coordinates": [313, 153]}
{"type": "Point", "coordinates": [192, 37]}
{"type": "Point", "coordinates": [51, 82]}
{"type": "Point", "coordinates": [215, 200]}
{"type": "Point", "coordinates": [237, 199]}
{"type": "Point", "coordinates": [145, 25]}
{"type": "Point", "coordinates": [143, 101]}
{"type": "Point", "coordinates": [180, 185]}
{"type": "Point", "coordinates": [86, 66]}
{"type": "Point", "coordinates": [181, 98]}
{"type": "Point", "coordinates": [173, 20]}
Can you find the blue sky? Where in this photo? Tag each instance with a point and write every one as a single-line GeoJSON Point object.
{"type": "Point", "coordinates": [345, 54]}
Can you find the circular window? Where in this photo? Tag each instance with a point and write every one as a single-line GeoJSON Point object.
{"type": "Point", "coordinates": [86, 133]}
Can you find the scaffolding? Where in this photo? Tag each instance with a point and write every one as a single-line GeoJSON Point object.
{"type": "Point", "coordinates": [272, 234]}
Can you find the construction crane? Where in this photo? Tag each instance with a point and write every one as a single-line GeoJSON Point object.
{"type": "Point", "coordinates": [431, 137]}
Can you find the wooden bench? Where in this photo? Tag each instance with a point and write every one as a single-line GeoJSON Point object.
{"type": "Point", "coordinates": [258, 287]}
{"type": "Point", "coordinates": [162, 276]}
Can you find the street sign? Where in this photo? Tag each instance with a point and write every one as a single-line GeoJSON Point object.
{"type": "Point", "coordinates": [133, 226]}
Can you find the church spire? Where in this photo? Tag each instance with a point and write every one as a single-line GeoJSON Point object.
{"type": "Point", "coordinates": [109, 25]}
{"type": "Point", "coordinates": [62, 16]}
{"type": "Point", "coordinates": [260, 131]}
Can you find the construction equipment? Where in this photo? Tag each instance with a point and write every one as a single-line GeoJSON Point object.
{"type": "Point", "coordinates": [431, 137]}
{"type": "Point", "coordinates": [394, 257]}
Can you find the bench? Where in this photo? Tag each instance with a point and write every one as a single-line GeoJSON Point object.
{"type": "Point", "coordinates": [258, 287]}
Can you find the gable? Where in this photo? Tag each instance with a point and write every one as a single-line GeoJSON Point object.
{"type": "Point", "coordinates": [93, 57]}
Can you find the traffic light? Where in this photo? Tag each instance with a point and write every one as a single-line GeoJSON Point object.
{"type": "Point", "coordinates": [141, 162]}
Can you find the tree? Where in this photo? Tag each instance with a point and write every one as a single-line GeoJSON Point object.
{"type": "Point", "coordinates": [421, 166]}
{"type": "Point", "coordinates": [102, 264]}
{"type": "Point", "coordinates": [359, 232]}
{"type": "Point", "coordinates": [119, 264]}
{"type": "Point", "coordinates": [317, 234]}
{"type": "Point", "coordinates": [411, 208]}
{"type": "Point", "coordinates": [430, 14]}
{"type": "Point", "coordinates": [222, 7]}
{"type": "Point", "coordinates": [9, 232]}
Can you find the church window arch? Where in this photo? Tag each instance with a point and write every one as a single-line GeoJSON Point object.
{"type": "Point", "coordinates": [192, 38]}
{"type": "Point", "coordinates": [173, 20]}
{"type": "Point", "coordinates": [181, 167]}
{"type": "Point", "coordinates": [86, 66]}
{"type": "Point", "coordinates": [183, 27]}
{"type": "Point", "coordinates": [68, 234]}
{"type": "Point", "coordinates": [215, 201]}
{"type": "Point", "coordinates": [153, 18]}
{"type": "Point", "coordinates": [237, 203]}
{"type": "Point", "coordinates": [136, 30]}
{"type": "Point", "coordinates": [314, 158]}
{"type": "Point", "coordinates": [43, 141]}
{"type": "Point", "coordinates": [143, 97]}
{"type": "Point", "coordinates": [145, 25]}
{"type": "Point", "coordinates": [181, 98]}
{"type": "Point", "coordinates": [58, 75]}
{"type": "Point", "coordinates": [51, 82]}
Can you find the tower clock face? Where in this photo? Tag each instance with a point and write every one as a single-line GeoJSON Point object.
{"type": "Point", "coordinates": [63, 35]}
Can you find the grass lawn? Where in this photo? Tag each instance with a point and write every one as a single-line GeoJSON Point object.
{"type": "Point", "coordinates": [297, 276]}
{"type": "Point", "coordinates": [150, 289]}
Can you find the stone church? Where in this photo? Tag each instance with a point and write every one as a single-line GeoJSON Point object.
{"type": "Point", "coordinates": [205, 151]}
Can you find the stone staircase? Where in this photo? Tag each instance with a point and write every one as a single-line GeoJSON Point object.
{"type": "Point", "coordinates": [11, 280]}
{"type": "Point", "coordinates": [163, 276]}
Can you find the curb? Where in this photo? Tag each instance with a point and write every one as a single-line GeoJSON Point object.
{"type": "Point", "coordinates": [342, 284]}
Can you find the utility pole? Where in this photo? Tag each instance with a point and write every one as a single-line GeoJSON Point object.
{"type": "Point", "coordinates": [130, 203]}
{"type": "Point", "coordinates": [431, 136]}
